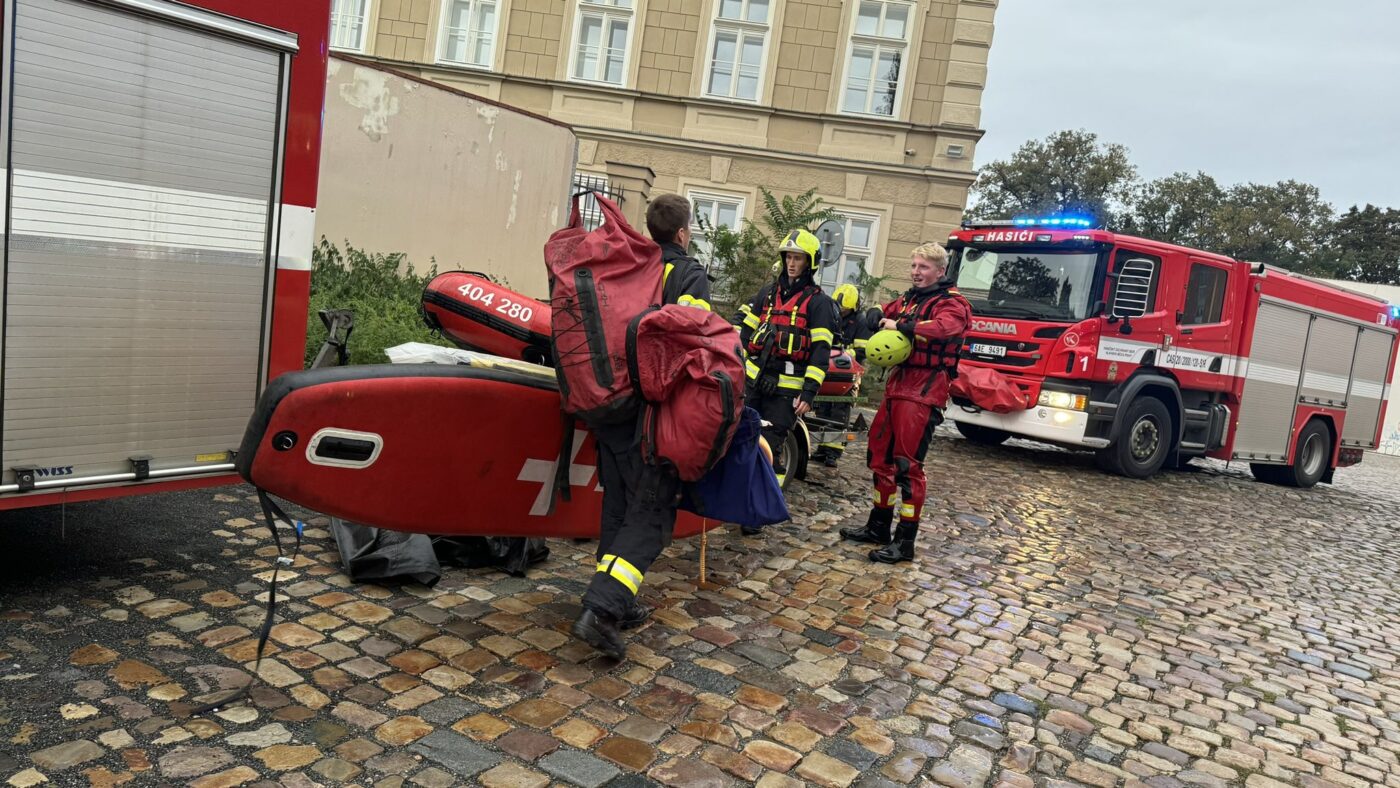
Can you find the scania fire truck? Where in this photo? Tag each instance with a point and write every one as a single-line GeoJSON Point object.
{"type": "Point", "coordinates": [159, 164]}
{"type": "Point", "coordinates": [1150, 354]}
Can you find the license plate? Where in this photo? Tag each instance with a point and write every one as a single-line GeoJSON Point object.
{"type": "Point", "coordinates": [989, 350]}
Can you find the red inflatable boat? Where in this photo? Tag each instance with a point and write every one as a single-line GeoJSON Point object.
{"type": "Point", "coordinates": [427, 448]}
{"type": "Point", "coordinates": [474, 313]}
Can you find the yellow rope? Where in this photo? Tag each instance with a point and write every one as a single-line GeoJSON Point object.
{"type": "Point", "coordinates": [704, 543]}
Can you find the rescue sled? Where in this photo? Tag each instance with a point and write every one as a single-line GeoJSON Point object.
{"type": "Point", "coordinates": [427, 448]}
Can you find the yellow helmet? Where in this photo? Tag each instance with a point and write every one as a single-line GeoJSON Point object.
{"type": "Point", "coordinates": [846, 296]}
{"type": "Point", "coordinates": [805, 243]}
{"type": "Point", "coordinates": [888, 348]}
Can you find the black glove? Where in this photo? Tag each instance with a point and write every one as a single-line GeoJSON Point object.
{"type": "Point", "coordinates": [767, 385]}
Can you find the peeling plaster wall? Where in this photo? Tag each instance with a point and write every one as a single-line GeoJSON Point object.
{"type": "Point", "coordinates": [407, 167]}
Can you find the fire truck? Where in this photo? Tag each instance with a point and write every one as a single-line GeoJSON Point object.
{"type": "Point", "coordinates": [160, 164]}
{"type": "Point", "coordinates": [1150, 354]}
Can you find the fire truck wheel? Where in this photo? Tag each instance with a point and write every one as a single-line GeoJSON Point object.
{"type": "Point", "coordinates": [985, 436]}
{"type": "Point", "coordinates": [1311, 456]}
{"type": "Point", "coordinates": [1144, 443]}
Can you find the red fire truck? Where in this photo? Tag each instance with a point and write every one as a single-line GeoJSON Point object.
{"type": "Point", "coordinates": [1150, 354]}
{"type": "Point", "coordinates": [160, 164]}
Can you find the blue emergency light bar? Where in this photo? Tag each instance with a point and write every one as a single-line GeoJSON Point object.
{"type": "Point", "coordinates": [1040, 222]}
{"type": "Point", "coordinates": [1070, 222]}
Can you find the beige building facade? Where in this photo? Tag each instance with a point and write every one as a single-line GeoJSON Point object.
{"type": "Point", "coordinates": [874, 103]}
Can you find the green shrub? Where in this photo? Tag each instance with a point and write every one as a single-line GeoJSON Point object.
{"type": "Point", "coordinates": [386, 301]}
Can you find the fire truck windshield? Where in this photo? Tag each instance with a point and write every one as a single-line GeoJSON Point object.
{"type": "Point", "coordinates": [1027, 283]}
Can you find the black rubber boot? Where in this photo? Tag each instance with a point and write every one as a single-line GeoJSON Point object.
{"type": "Point", "coordinates": [875, 531]}
{"type": "Point", "coordinates": [636, 617]}
{"type": "Point", "coordinates": [600, 631]}
{"type": "Point", "coordinates": [901, 549]}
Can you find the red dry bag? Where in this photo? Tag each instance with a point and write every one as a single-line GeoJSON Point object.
{"type": "Point", "coordinates": [987, 389]}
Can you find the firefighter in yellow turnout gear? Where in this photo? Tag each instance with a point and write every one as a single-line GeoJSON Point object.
{"type": "Point", "coordinates": [852, 334]}
{"type": "Point", "coordinates": [788, 330]}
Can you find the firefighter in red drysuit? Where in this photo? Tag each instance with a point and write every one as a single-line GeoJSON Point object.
{"type": "Point", "coordinates": [934, 316]}
{"type": "Point", "coordinates": [787, 333]}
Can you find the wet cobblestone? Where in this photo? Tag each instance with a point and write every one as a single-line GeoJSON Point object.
{"type": "Point", "coordinates": [1060, 627]}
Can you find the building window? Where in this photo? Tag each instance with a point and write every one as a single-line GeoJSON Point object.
{"type": "Point", "coordinates": [348, 21]}
{"type": "Point", "coordinates": [709, 211]}
{"type": "Point", "coordinates": [861, 231]}
{"type": "Point", "coordinates": [875, 64]}
{"type": "Point", "coordinates": [736, 57]}
{"type": "Point", "coordinates": [469, 32]}
{"type": "Point", "coordinates": [1205, 295]}
{"type": "Point", "coordinates": [601, 40]}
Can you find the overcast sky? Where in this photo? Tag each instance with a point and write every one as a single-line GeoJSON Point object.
{"type": "Point", "coordinates": [1246, 90]}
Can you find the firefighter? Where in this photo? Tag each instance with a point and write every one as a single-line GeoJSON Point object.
{"type": "Point", "coordinates": [931, 319]}
{"type": "Point", "coordinates": [853, 331]}
{"type": "Point", "coordinates": [787, 333]}
{"type": "Point", "coordinates": [639, 499]}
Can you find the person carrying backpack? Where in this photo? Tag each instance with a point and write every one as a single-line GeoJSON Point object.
{"type": "Point", "coordinates": [925, 327]}
{"type": "Point", "coordinates": [787, 332]}
{"type": "Point", "coordinates": [639, 498]}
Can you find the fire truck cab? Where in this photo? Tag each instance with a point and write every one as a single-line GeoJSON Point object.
{"type": "Point", "coordinates": [1150, 354]}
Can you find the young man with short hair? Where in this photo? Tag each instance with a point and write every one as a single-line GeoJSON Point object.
{"type": "Point", "coordinates": [639, 499]}
{"type": "Point", "coordinates": [934, 317]}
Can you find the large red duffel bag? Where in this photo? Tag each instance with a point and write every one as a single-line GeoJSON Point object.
{"type": "Point", "coordinates": [688, 366]}
{"type": "Point", "coordinates": [599, 280]}
{"type": "Point", "coordinates": [987, 389]}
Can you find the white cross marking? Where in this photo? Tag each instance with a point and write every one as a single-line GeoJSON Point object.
{"type": "Point", "coordinates": [542, 472]}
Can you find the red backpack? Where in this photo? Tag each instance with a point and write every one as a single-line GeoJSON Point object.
{"type": "Point", "coordinates": [690, 371]}
{"type": "Point", "coordinates": [599, 280]}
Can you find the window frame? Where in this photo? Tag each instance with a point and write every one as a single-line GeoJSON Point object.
{"type": "Point", "coordinates": [741, 27]}
{"type": "Point", "coordinates": [1221, 294]}
{"type": "Point", "coordinates": [711, 195]}
{"type": "Point", "coordinates": [365, 17]}
{"type": "Point", "coordinates": [877, 42]}
{"type": "Point", "coordinates": [443, 38]}
{"type": "Point", "coordinates": [605, 9]}
{"type": "Point", "coordinates": [869, 252]}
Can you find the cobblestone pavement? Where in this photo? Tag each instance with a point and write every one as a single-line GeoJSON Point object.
{"type": "Point", "coordinates": [1060, 627]}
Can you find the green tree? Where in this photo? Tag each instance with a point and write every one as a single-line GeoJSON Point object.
{"type": "Point", "coordinates": [1285, 224]}
{"type": "Point", "coordinates": [1180, 208]}
{"type": "Point", "coordinates": [1067, 172]}
{"type": "Point", "coordinates": [804, 211]}
{"type": "Point", "coordinates": [741, 261]}
{"type": "Point", "coordinates": [1365, 245]}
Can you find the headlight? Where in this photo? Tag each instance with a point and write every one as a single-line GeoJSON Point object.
{"type": "Point", "coordinates": [1063, 400]}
